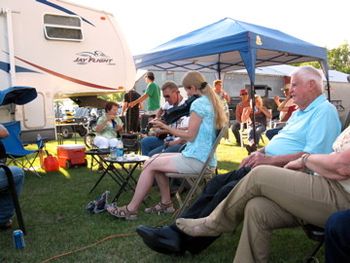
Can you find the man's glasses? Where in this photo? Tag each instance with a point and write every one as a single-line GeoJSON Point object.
{"type": "Point", "coordinates": [166, 96]}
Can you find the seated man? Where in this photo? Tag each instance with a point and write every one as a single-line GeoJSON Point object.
{"type": "Point", "coordinates": [261, 114]}
{"type": "Point", "coordinates": [270, 198]}
{"type": "Point", "coordinates": [155, 144]}
{"type": "Point", "coordinates": [312, 129]}
{"type": "Point", "coordinates": [6, 204]}
{"type": "Point", "coordinates": [108, 126]}
{"type": "Point", "coordinates": [286, 108]}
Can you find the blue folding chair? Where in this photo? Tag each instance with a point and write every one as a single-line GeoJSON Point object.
{"type": "Point", "coordinates": [15, 151]}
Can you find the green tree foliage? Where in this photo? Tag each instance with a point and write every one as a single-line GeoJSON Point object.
{"type": "Point", "coordinates": [339, 58]}
{"type": "Point", "coordinates": [116, 97]}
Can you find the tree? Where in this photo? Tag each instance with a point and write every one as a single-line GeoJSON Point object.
{"type": "Point", "coordinates": [339, 58]}
{"type": "Point", "coordinates": [116, 97]}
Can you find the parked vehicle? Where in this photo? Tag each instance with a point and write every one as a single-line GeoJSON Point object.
{"type": "Point", "coordinates": [62, 49]}
{"type": "Point", "coordinates": [82, 121]}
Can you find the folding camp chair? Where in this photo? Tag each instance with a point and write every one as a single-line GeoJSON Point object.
{"type": "Point", "coordinates": [195, 179]}
{"type": "Point", "coordinates": [317, 234]}
{"type": "Point", "coordinates": [15, 151]}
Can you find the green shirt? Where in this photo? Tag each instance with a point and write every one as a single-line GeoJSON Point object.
{"type": "Point", "coordinates": [153, 92]}
{"type": "Point", "coordinates": [109, 132]}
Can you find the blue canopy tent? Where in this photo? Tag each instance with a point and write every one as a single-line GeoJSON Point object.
{"type": "Point", "coordinates": [228, 45]}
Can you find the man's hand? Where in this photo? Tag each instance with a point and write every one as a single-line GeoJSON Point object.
{"type": "Point", "coordinates": [255, 159]}
{"type": "Point", "coordinates": [159, 124]}
{"type": "Point", "coordinates": [295, 165]}
{"type": "Point", "coordinates": [276, 99]}
{"type": "Point", "coordinates": [131, 104]}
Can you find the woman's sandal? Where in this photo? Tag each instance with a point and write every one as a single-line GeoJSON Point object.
{"type": "Point", "coordinates": [161, 208]}
{"type": "Point", "coordinates": [121, 212]}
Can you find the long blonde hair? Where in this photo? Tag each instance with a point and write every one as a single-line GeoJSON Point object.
{"type": "Point", "coordinates": [196, 79]}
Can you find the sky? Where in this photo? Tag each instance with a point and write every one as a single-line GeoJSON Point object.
{"type": "Point", "coordinates": [149, 23]}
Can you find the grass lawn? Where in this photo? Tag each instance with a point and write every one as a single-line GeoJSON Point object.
{"type": "Point", "coordinates": [57, 223]}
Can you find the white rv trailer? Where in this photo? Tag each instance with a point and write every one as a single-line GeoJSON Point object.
{"type": "Point", "coordinates": [63, 50]}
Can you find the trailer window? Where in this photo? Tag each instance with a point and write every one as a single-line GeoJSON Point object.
{"type": "Point", "coordinates": [58, 27]}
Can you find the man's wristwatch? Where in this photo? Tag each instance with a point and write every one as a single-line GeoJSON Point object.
{"type": "Point", "coordinates": [304, 158]}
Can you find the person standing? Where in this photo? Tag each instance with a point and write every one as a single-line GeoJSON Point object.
{"type": "Point", "coordinates": [132, 120]}
{"type": "Point", "coordinates": [224, 98]}
{"type": "Point", "coordinates": [152, 93]}
{"type": "Point", "coordinates": [222, 94]}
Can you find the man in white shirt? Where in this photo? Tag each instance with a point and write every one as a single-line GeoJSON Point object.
{"type": "Point", "coordinates": [155, 144]}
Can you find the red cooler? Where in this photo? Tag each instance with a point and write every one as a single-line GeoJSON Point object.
{"type": "Point", "coordinates": [70, 155]}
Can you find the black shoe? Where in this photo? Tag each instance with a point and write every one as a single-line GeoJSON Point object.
{"type": "Point", "coordinates": [163, 239]}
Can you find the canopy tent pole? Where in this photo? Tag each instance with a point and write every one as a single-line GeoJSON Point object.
{"type": "Point", "coordinates": [252, 97]}
{"type": "Point", "coordinates": [219, 66]}
{"type": "Point", "coordinates": [328, 88]}
{"type": "Point", "coordinates": [324, 66]}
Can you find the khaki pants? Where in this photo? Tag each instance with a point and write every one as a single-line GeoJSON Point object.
{"type": "Point", "coordinates": [269, 198]}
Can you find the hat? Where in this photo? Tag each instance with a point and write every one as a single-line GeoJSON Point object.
{"type": "Point", "coordinates": [243, 92]}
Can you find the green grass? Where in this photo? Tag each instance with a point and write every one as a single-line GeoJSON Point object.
{"type": "Point", "coordinates": [56, 222]}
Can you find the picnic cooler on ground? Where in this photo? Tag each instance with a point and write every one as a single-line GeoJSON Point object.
{"type": "Point", "coordinates": [71, 154]}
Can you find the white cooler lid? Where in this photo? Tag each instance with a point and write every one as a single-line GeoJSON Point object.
{"type": "Point", "coordinates": [72, 146]}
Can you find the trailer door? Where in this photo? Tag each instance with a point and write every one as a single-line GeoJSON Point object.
{"type": "Point", "coordinates": [34, 113]}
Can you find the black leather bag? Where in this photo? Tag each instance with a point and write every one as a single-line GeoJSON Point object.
{"type": "Point", "coordinates": [130, 142]}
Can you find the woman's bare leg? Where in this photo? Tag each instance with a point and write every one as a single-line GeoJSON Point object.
{"type": "Point", "coordinates": [156, 166]}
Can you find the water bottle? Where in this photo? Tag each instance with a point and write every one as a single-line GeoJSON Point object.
{"type": "Point", "coordinates": [18, 239]}
{"type": "Point", "coordinates": [120, 148]}
{"type": "Point", "coordinates": [113, 153]}
{"type": "Point", "coordinates": [39, 141]}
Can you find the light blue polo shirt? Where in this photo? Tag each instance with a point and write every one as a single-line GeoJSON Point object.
{"type": "Point", "coordinates": [312, 130]}
{"type": "Point", "coordinates": [201, 146]}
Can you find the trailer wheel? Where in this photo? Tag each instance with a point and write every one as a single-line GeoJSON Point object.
{"type": "Point", "coordinates": [82, 131]}
{"type": "Point", "coordinates": [68, 164]}
{"type": "Point", "coordinates": [67, 132]}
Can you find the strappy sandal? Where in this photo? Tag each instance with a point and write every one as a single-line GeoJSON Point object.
{"type": "Point", "coordinates": [121, 212]}
{"type": "Point", "coordinates": [161, 208]}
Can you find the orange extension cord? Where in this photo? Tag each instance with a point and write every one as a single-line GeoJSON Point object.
{"type": "Point", "coordinates": [94, 244]}
{"type": "Point", "coordinates": [88, 246]}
